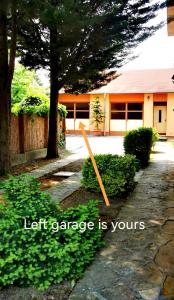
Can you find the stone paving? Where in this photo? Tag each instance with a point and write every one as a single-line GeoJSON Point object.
{"type": "Point", "coordinates": [76, 145]}
{"type": "Point", "coordinates": [138, 264]}
{"type": "Point", "coordinates": [65, 188]}
{"type": "Point", "coordinates": [54, 166]}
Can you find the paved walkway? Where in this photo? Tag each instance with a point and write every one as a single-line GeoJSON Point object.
{"type": "Point", "coordinates": [100, 144]}
{"type": "Point", "coordinates": [138, 264]}
{"type": "Point", "coordinates": [60, 163]}
{"type": "Point", "coordinates": [65, 188]}
{"type": "Point", "coordinates": [76, 145]}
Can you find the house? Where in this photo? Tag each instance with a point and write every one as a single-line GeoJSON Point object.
{"type": "Point", "coordinates": [135, 98]}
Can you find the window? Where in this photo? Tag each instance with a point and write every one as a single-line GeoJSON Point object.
{"type": "Point", "coordinates": [118, 106]}
{"type": "Point", "coordinates": [82, 110]}
{"type": "Point", "coordinates": [160, 115]}
{"type": "Point", "coordinates": [135, 106]}
{"type": "Point", "coordinates": [82, 114]}
{"type": "Point", "coordinates": [135, 115]}
{"type": "Point", "coordinates": [160, 103]}
{"type": "Point", "coordinates": [118, 111]}
{"type": "Point", "coordinates": [77, 110]}
{"type": "Point", "coordinates": [70, 110]}
{"type": "Point", "coordinates": [118, 115]}
{"type": "Point", "coordinates": [127, 111]}
{"type": "Point", "coordinates": [70, 115]}
{"type": "Point", "coordinates": [82, 106]}
{"type": "Point", "coordinates": [69, 106]}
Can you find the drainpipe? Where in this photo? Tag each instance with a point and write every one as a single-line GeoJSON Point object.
{"type": "Point", "coordinates": [104, 114]}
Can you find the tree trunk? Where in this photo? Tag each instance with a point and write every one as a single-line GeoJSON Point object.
{"type": "Point", "coordinates": [52, 150]}
{"type": "Point", "coordinates": [12, 44]}
{"type": "Point", "coordinates": [4, 93]}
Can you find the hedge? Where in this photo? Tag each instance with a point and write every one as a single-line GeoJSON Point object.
{"type": "Point", "coordinates": [117, 173]}
{"type": "Point", "coordinates": [43, 257]}
{"type": "Point", "coordinates": [139, 142]}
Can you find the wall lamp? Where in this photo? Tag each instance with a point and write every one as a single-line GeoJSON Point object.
{"type": "Point", "coordinates": [173, 78]}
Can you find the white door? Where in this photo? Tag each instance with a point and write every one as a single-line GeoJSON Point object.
{"type": "Point", "coordinates": [160, 116]}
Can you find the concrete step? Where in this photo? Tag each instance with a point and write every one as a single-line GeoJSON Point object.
{"type": "Point", "coordinates": [162, 138]}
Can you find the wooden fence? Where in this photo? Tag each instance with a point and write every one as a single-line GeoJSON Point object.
{"type": "Point", "coordinates": [30, 133]}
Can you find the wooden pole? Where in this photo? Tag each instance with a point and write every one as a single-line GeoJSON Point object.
{"type": "Point", "coordinates": [81, 127]}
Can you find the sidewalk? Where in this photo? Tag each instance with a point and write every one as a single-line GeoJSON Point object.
{"type": "Point", "coordinates": [138, 264]}
{"type": "Point", "coordinates": [76, 145]}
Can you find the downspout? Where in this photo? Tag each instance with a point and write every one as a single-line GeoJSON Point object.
{"type": "Point", "coordinates": [104, 125]}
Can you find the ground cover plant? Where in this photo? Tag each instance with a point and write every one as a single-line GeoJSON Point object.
{"type": "Point", "coordinates": [42, 257]}
{"type": "Point", "coordinates": [117, 173]}
{"type": "Point", "coordinates": [139, 142]}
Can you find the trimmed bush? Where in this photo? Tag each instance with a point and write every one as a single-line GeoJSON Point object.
{"type": "Point", "coordinates": [139, 142]}
{"type": "Point", "coordinates": [42, 257]}
{"type": "Point", "coordinates": [117, 173]}
{"type": "Point", "coordinates": [155, 136]}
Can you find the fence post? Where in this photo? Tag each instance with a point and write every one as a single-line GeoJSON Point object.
{"type": "Point", "coordinates": [21, 122]}
{"type": "Point", "coordinates": [46, 132]}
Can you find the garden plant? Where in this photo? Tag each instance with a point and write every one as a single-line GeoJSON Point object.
{"type": "Point", "coordinates": [117, 173]}
{"type": "Point", "coordinates": [97, 113]}
{"type": "Point", "coordinates": [139, 142]}
{"type": "Point", "coordinates": [42, 257]}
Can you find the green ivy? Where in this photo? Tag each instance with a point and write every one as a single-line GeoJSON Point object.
{"type": "Point", "coordinates": [43, 257]}
{"type": "Point", "coordinates": [62, 110]}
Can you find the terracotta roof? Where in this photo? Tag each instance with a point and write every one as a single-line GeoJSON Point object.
{"type": "Point", "coordinates": [140, 81]}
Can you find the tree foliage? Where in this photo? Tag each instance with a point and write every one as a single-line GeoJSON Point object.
{"type": "Point", "coordinates": [88, 38]}
{"type": "Point", "coordinates": [26, 84]}
{"type": "Point", "coordinates": [76, 40]}
{"type": "Point", "coordinates": [79, 40]}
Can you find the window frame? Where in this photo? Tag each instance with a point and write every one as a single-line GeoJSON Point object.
{"type": "Point", "coordinates": [126, 111]}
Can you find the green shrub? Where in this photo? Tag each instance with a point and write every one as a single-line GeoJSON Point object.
{"type": "Point", "coordinates": [31, 101]}
{"type": "Point", "coordinates": [117, 173]}
{"type": "Point", "coordinates": [43, 257]}
{"type": "Point", "coordinates": [137, 165]}
{"type": "Point", "coordinates": [62, 110]}
{"type": "Point", "coordinates": [155, 136]}
{"type": "Point", "coordinates": [139, 142]}
{"type": "Point", "coordinates": [36, 106]}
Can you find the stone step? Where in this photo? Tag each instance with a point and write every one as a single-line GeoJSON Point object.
{"type": "Point", "coordinates": [162, 138]}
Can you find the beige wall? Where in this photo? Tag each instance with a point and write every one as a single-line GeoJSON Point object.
{"type": "Point", "coordinates": [170, 115]}
{"type": "Point", "coordinates": [134, 124]}
{"type": "Point", "coordinates": [84, 121]}
{"type": "Point", "coordinates": [148, 110]}
{"type": "Point", "coordinates": [107, 113]}
{"type": "Point", "coordinates": [118, 125]}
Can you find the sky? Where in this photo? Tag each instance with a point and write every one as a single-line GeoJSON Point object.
{"type": "Point", "coordinates": [156, 52]}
